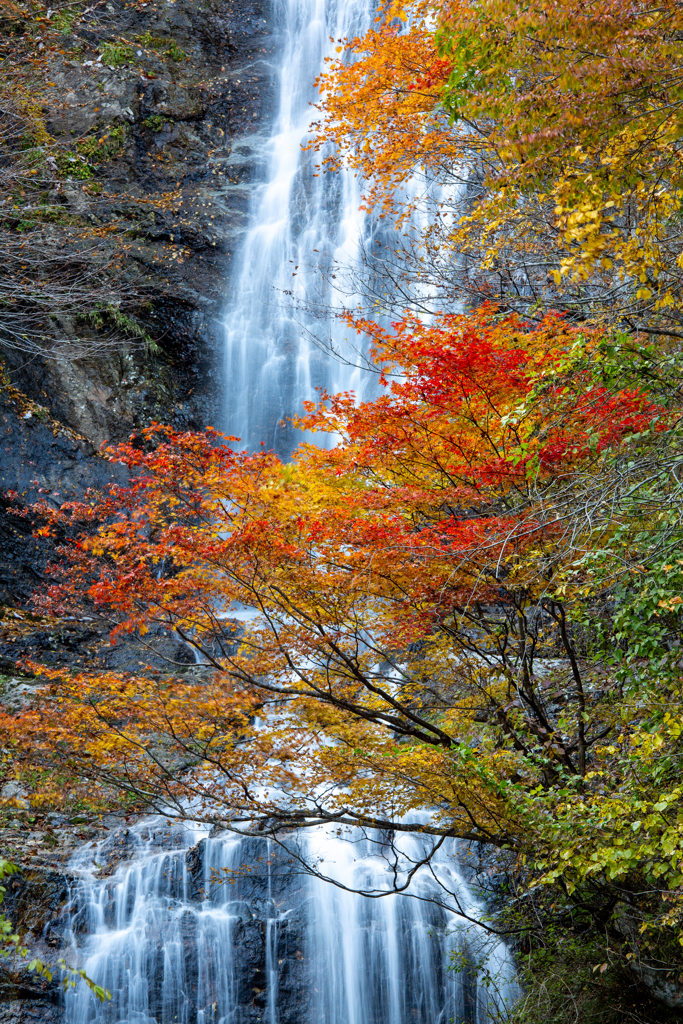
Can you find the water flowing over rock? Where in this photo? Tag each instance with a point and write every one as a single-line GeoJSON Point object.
{"type": "Point", "coordinates": [306, 226]}
{"type": "Point", "coordinates": [183, 927]}
{"type": "Point", "coordinates": [212, 930]}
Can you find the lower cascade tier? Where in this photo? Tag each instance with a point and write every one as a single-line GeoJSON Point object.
{"type": "Point", "coordinates": [182, 928]}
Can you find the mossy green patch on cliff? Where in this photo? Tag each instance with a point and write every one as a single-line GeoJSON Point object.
{"type": "Point", "coordinates": [105, 316]}
{"type": "Point", "coordinates": [103, 146]}
{"type": "Point", "coordinates": [117, 55]}
{"type": "Point", "coordinates": [92, 151]}
{"type": "Point", "coordinates": [73, 165]}
{"type": "Point", "coordinates": [167, 47]}
{"type": "Point", "coordinates": [63, 20]}
{"type": "Point", "coordinates": [155, 123]}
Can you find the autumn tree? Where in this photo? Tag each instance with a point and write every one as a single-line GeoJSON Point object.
{"type": "Point", "coordinates": [459, 616]}
{"type": "Point", "coordinates": [553, 133]}
{"type": "Point", "coordinates": [440, 611]}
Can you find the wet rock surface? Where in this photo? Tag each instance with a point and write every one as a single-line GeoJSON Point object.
{"type": "Point", "coordinates": [34, 901]}
{"type": "Point", "coordinates": [271, 909]}
{"type": "Point", "coordinates": [268, 912]}
{"type": "Point", "coordinates": [159, 111]}
{"type": "Point", "coordinates": [39, 455]}
{"type": "Point", "coordinates": [174, 102]}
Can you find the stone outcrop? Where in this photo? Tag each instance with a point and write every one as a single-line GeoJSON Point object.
{"type": "Point", "coordinates": [270, 891]}
{"type": "Point", "coordinates": [38, 902]}
{"type": "Point", "coordinates": [158, 110]}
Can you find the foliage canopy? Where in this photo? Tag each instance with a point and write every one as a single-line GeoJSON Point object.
{"type": "Point", "coordinates": [554, 129]}
{"type": "Point", "coordinates": [466, 603]}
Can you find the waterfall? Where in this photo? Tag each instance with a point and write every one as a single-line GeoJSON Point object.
{"type": "Point", "coordinates": [193, 929]}
{"type": "Point", "coordinates": [183, 926]}
{"type": "Point", "coordinates": [303, 229]}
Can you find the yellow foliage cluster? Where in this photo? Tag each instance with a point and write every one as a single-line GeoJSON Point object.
{"type": "Point", "coordinates": [562, 122]}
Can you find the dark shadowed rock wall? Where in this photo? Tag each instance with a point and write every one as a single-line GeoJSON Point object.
{"type": "Point", "coordinates": [172, 100]}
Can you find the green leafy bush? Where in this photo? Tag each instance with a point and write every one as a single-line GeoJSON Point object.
{"type": "Point", "coordinates": [174, 52]}
{"type": "Point", "coordinates": [98, 149]}
{"type": "Point", "coordinates": [154, 123]}
{"type": "Point", "coordinates": [73, 165]}
{"type": "Point", "coordinates": [63, 20]}
{"type": "Point", "coordinates": [91, 151]}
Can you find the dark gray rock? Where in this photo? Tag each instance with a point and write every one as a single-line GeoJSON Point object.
{"type": "Point", "coordinates": [33, 902]}
{"type": "Point", "coordinates": [193, 108]}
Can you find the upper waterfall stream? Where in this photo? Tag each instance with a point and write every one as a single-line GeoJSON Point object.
{"type": "Point", "coordinates": [302, 224]}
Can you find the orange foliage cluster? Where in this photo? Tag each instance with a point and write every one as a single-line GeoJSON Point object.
{"type": "Point", "coordinates": [377, 119]}
{"type": "Point", "coordinates": [389, 577]}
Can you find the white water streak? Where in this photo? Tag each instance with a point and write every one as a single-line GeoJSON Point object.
{"type": "Point", "coordinates": [271, 944]}
{"type": "Point", "coordinates": [304, 229]}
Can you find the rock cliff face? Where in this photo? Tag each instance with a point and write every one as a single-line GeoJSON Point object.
{"type": "Point", "coordinates": [270, 890]}
{"type": "Point", "coordinates": [157, 112]}
{"type": "Point", "coordinates": [40, 900]}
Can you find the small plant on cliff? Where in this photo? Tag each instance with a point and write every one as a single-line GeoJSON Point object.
{"type": "Point", "coordinates": [155, 123]}
{"type": "Point", "coordinates": [91, 151]}
{"type": "Point", "coordinates": [11, 945]}
{"type": "Point", "coordinates": [117, 55]}
{"type": "Point", "coordinates": [74, 165]}
{"type": "Point", "coordinates": [107, 315]}
{"type": "Point", "coordinates": [102, 147]}
{"type": "Point", "coordinates": [63, 20]}
{"type": "Point", "coordinates": [173, 52]}
{"type": "Point", "coordinates": [148, 40]}
{"type": "Point", "coordinates": [169, 48]}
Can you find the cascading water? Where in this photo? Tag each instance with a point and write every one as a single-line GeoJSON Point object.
{"type": "Point", "coordinates": [229, 930]}
{"type": "Point", "coordinates": [301, 225]}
